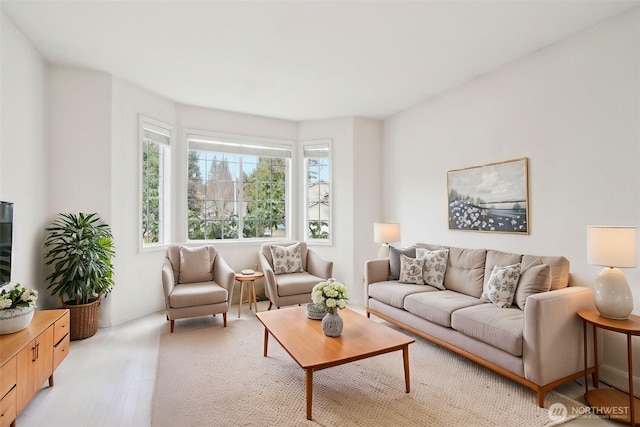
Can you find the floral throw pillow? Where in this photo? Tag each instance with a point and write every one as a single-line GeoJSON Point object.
{"type": "Point", "coordinates": [501, 286]}
{"type": "Point", "coordinates": [287, 259]}
{"type": "Point", "coordinates": [411, 270]}
{"type": "Point", "coordinates": [435, 264]}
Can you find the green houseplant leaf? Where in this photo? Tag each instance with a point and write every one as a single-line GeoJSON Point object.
{"type": "Point", "coordinates": [80, 250]}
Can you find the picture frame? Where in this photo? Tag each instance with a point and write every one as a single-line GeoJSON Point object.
{"type": "Point", "coordinates": [490, 198]}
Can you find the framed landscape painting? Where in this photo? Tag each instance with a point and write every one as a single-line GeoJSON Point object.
{"type": "Point", "coordinates": [491, 198]}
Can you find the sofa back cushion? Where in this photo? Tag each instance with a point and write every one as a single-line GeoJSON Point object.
{"type": "Point", "coordinates": [559, 269]}
{"type": "Point", "coordinates": [465, 271]}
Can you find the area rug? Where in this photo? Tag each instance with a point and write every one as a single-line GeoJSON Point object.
{"type": "Point", "coordinates": [217, 376]}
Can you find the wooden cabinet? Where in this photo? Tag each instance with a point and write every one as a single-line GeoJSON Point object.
{"type": "Point", "coordinates": [35, 366]}
{"type": "Point", "coordinates": [28, 359]}
{"type": "Point", "coordinates": [8, 408]}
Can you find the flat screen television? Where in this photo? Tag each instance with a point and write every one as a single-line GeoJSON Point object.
{"type": "Point", "coordinates": [6, 241]}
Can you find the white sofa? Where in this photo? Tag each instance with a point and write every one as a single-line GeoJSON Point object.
{"type": "Point", "coordinates": [539, 345]}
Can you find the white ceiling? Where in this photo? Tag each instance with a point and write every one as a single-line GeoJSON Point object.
{"type": "Point", "coordinates": [301, 60]}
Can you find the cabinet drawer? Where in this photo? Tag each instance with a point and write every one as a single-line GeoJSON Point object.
{"type": "Point", "coordinates": [60, 351]}
{"type": "Point", "coordinates": [61, 328]}
{"type": "Point", "coordinates": [8, 412]}
{"type": "Point", "coordinates": [7, 376]}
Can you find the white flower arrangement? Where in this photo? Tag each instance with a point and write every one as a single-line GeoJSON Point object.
{"type": "Point", "coordinates": [331, 294]}
{"type": "Point", "coordinates": [18, 296]}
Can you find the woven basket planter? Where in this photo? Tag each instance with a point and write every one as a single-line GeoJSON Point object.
{"type": "Point", "coordinates": [84, 319]}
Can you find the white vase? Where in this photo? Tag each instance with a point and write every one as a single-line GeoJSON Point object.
{"type": "Point", "coordinates": [15, 319]}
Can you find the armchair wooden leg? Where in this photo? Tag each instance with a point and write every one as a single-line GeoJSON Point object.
{"type": "Point", "coordinates": [270, 305]}
{"type": "Point", "coordinates": [224, 319]}
{"type": "Point", "coordinates": [173, 322]}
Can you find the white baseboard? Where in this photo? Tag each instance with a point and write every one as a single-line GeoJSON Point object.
{"type": "Point", "coordinates": [619, 379]}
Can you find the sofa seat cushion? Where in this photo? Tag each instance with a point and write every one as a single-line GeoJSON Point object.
{"type": "Point", "coordinates": [296, 283]}
{"type": "Point", "coordinates": [194, 294]}
{"type": "Point", "coordinates": [393, 293]}
{"type": "Point", "coordinates": [499, 327]}
{"type": "Point", "coordinates": [437, 307]}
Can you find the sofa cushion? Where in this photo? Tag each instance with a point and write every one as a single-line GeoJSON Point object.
{"type": "Point", "coordinates": [465, 271]}
{"type": "Point", "coordinates": [559, 269]}
{"type": "Point", "coordinates": [501, 328]}
{"type": "Point", "coordinates": [437, 307]}
{"type": "Point", "coordinates": [393, 293]}
{"type": "Point", "coordinates": [411, 270]}
{"type": "Point", "coordinates": [287, 259]}
{"type": "Point", "coordinates": [435, 265]}
{"type": "Point", "coordinates": [297, 283]}
{"type": "Point", "coordinates": [500, 259]}
{"type": "Point", "coordinates": [194, 294]}
{"type": "Point", "coordinates": [265, 249]}
{"type": "Point", "coordinates": [195, 264]}
{"type": "Point", "coordinates": [501, 286]}
{"type": "Point", "coordinates": [430, 247]}
{"type": "Point", "coordinates": [534, 278]}
{"type": "Point", "coordinates": [394, 260]}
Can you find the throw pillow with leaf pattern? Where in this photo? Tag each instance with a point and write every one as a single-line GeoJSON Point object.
{"type": "Point", "coordinates": [435, 265]}
{"type": "Point", "coordinates": [287, 259]}
{"type": "Point", "coordinates": [501, 286]}
{"type": "Point", "coordinates": [411, 270]}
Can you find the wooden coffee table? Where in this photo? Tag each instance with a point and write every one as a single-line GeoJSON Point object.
{"type": "Point", "coordinates": [303, 339]}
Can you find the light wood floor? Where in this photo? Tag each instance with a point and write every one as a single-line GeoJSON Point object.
{"type": "Point", "coordinates": [108, 379]}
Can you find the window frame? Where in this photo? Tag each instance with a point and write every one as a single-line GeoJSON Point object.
{"type": "Point", "coordinates": [165, 184]}
{"type": "Point", "coordinates": [245, 146]}
{"type": "Point", "coordinates": [304, 145]}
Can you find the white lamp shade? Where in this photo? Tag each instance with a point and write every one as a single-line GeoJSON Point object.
{"type": "Point", "coordinates": [386, 232]}
{"type": "Point", "coordinates": [611, 246]}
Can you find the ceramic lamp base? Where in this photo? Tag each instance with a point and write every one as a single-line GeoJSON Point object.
{"type": "Point", "coordinates": [611, 294]}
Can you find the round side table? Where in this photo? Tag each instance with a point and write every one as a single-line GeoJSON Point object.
{"type": "Point", "coordinates": [615, 404]}
{"type": "Point", "coordinates": [251, 280]}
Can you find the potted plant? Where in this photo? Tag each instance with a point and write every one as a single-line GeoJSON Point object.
{"type": "Point", "coordinates": [80, 250]}
{"type": "Point", "coordinates": [17, 305]}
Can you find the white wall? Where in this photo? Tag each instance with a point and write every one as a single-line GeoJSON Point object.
{"type": "Point", "coordinates": [572, 109]}
{"type": "Point", "coordinates": [138, 288]}
{"type": "Point", "coordinates": [367, 197]}
{"type": "Point", "coordinates": [23, 152]}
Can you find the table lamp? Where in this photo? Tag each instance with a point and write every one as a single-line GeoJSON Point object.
{"type": "Point", "coordinates": [385, 233]}
{"type": "Point", "coordinates": [612, 247]}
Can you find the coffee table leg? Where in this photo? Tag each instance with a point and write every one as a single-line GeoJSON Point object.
{"type": "Point", "coordinates": [266, 341]}
{"type": "Point", "coordinates": [309, 391]}
{"type": "Point", "coordinates": [407, 378]}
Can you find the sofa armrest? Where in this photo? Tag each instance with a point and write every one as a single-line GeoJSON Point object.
{"type": "Point", "coordinates": [224, 276]}
{"type": "Point", "coordinates": [168, 281]}
{"type": "Point", "coordinates": [269, 277]}
{"type": "Point", "coordinates": [553, 334]}
{"type": "Point", "coordinates": [376, 270]}
{"type": "Point", "coordinates": [318, 265]}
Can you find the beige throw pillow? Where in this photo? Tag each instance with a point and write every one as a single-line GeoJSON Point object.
{"type": "Point", "coordinates": [534, 278]}
{"type": "Point", "coordinates": [287, 259]}
{"type": "Point", "coordinates": [501, 286]}
{"type": "Point", "coordinates": [195, 264]}
{"type": "Point", "coordinates": [435, 265]}
{"type": "Point", "coordinates": [411, 270]}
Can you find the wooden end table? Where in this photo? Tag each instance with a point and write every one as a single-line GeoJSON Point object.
{"type": "Point", "coordinates": [616, 404]}
{"type": "Point", "coordinates": [251, 280]}
{"type": "Point", "coordinates": [305, 342]}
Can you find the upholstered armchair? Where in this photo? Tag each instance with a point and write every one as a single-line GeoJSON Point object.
{"type": "Point", "coordinates": [196, 282]}
{"type": "Point", "coordinates": [291, 270]}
